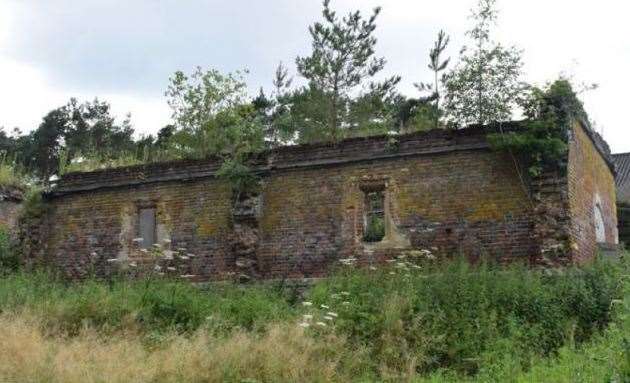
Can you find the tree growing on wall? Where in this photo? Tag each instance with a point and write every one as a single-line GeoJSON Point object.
{"type": "Point", "coordinates": [342, 58]}
{"type": "Point", "coordinates": [437, 65]}
{"type": "Point", "coordinates": [214, 118]}
{"type": "Point", "coordinates": [485, 86]}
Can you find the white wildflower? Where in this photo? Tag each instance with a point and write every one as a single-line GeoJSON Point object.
{"type": "Point", "coordinates": [307, 303]}
{"type": "Point", "coordinates": [324, 307]}
{"type": "Point", "coordinates": [157, 245]}
{"type": "Point", "coordinates": [112, 260]}
{"type": "Point", "coordinates": [93, 254]}
{"type": "Point", "coordinates": [329, 318]}
{"type": "Point", "coordinates": [171, 268]}
{"type": "Point", "coordinates": [345, 303]}
{"type": "Point", "coordinates": [346, 293]}
{"type": "Point", "coordinates": [332, 314]}
{"type": "Point", "coordinates": [307, 317]}
{"type": "Point", "coordinates": [157, 268]}
{"type": "Point", "coordinates": [321, 324]}
{"type": "Point", "coordinates": [304, 325]}
{"type": "Point", "coordinates": [144, 250]}
{"type": "Point", "coordinates": [392, 273]}
{"type": "Point", "coordinates": [184, 258]}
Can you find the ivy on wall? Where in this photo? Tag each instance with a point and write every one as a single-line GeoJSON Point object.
{"type": "Point", "coordinates": [542, 140]}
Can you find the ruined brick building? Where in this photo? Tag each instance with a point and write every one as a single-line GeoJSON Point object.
{"type": "Point", "coordinates": [445, 191]}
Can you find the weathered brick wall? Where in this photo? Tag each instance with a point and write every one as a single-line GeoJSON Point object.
{"type": "Point", "coordinates": [444, 191]}
{"type": "Point", "coordinates": [591, 187]}
{"type": "Point", "coordinates": [468, 202]}
{"type": "Point", "coordinates": [9, 211]}
{"type": "Point", "coordinates": [89, 228]}
{"type": "Point", "coordinates": [10, 202]}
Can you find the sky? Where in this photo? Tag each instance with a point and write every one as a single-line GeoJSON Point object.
{"type": "Point", "coordinates": [124, 51]}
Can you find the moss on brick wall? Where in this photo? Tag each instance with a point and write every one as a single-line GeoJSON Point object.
{"type": "Point", "coordinates": [591, 183]}
{"type": "Point", "coordinates": [443, 191]}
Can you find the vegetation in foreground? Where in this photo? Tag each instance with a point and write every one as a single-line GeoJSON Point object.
{"type": "Point", "coordinates": [409, 321]}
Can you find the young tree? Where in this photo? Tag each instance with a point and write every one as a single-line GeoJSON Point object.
{"type": "Point", "coordinates": [485, 85]}
{"type": "Point", "coordinates": [214, 118]}
{"type": "Point", "coordinates": [437, 65]}
{"type": "Point", "coordinates": [212, 114]}
{"type": "Point", "coordinates": [341, 60]}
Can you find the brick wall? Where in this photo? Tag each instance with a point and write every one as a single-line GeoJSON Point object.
{"type": "Point", "coordinates": [445, 191]}
{"type": "Point", "coordinates": [591, 188]}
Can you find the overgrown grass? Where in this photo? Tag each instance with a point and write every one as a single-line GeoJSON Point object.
{"type": "Point", "coordinates": [435, 323]}
{"type": "Point", "coordinates": [158, 307]}
{"type": "Point", "coordinates": [461, 318]}
{"type": "Point", "coordinates": [10, 175]}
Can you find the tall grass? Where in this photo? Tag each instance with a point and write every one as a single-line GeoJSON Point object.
{"type": "Point", "coordinates": [428, 323]}
{"type": "Point", "coordinates": [158, 307]}
{"type": "Point", "coordinates": [462, 318]}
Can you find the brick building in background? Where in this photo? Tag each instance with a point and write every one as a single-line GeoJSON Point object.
{"type": "Point", "coordinates": [622, 165]}
{"type": "Point", "coordinates": [369, 198]}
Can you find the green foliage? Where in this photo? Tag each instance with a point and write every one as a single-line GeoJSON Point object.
{"type": "Point", "coordinates": [436, 65]}
{"type": "Point", "coordinates": [543, 139]}
{"type": "Point", "coordinates": [213, 118]}
{"type": "Point", "coordinates": [11, 176]}
{"type": "Point", "coordinates": [465, 319]}
{"type": "Point", "coordinates": [415, 320]}
{"type": "Point", "coordinates": [240, 176]}
{"type": "Point", "coordinates": [33, 205]}
{"type": "Point", "coordinates": [375, 229]}
{"type": "Point", "coordinates": [485, 85]}
{"type": "Point", "coordinates": [9, 260]}
{"type": "Point", "coordinates": [167, 306]}
{"type": "Point", "coordinates": [342, 58]}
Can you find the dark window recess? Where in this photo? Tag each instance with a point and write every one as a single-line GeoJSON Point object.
{"type": "Point", "coordinates": [146, 227]}
{"type": "Point", "coordinates": [374, 225]}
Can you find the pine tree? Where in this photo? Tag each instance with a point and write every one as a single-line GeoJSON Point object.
{"type": "Point", "coordinates": [437, 65]}
{"type": "Point", "coordinates": [342, 58]}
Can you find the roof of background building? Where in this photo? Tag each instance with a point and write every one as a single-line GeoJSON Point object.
{"type": "Point", "coordinates": [622, 165]}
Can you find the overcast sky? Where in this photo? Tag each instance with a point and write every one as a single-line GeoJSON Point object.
{"type": "Point", "coordinates": [124, 51]}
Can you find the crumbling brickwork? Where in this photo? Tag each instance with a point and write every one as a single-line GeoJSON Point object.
{"type": "Point", "coordinates": [445, 191]}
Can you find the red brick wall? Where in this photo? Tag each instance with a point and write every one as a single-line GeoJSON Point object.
{"type": "Point", "coordinates": [445, 192]}
{"type": "Point", "coordinates": [590, 183]}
